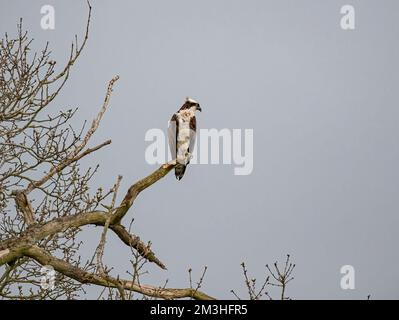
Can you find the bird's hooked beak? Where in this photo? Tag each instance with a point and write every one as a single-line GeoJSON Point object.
{"type": "Point", "coordinates": [199, 108]}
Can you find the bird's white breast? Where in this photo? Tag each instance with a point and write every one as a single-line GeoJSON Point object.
{"type": "Point", "coordinates": [183, 136]}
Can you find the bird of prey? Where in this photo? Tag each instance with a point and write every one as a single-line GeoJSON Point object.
{"type": "Point", "coordinates": [181, 132]}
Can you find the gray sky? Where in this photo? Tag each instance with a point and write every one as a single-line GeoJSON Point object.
{"type": "Point", "coordinates": [323, 104]}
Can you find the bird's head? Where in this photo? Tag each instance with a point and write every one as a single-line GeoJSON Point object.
{"type": "Point", "coordinates": [191, 104]}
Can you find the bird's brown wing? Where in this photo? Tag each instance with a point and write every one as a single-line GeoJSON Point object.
{"type": "Point", "coordinates": [172, 135]}
{"type": "Point", "coordinates": [193, 132]}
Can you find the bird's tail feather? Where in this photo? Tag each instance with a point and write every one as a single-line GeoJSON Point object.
{"type": "Point", "coordinates": [179, 171]}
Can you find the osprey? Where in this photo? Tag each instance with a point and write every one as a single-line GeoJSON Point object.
{"type": "Point", "coordinates": [182, 130]}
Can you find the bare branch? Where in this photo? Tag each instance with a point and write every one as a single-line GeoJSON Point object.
{"type": "Point", "coordinates": [139, 186]}
{"type": "Point", "coordinates": [98, 218]}
{"type": "Point", "coordinates": [82, 276]}
{"type": "Point", "coordinates": [101, 245]}
{"type": "Point", "coordinates": [74, 156]}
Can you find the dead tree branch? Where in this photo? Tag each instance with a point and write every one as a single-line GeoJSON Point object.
{"type": "Point", "coordinates": [84, 277]}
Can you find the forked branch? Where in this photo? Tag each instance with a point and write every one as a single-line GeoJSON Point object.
{"type": "Point", "coordinates": [44, 258]}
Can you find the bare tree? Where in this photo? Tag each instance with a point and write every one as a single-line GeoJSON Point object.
{"type": "Point", "coordinates": [45, 196]}
{"type": "Point", "coordinates": [277, 277]}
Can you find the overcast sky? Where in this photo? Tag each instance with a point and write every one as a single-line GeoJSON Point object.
{"type": "Point", "coordinates": [323, 106]}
